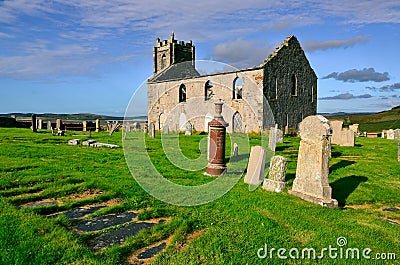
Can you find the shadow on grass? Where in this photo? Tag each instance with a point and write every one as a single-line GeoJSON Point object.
{"type": "Point", "coordinates": [341, 164]}
{"type": "Point", "coordinates": [336, 154]}
{"type": "Point", "coordinates": [282, 147]}
{"type": "Point", "coordinates": [342, 188]}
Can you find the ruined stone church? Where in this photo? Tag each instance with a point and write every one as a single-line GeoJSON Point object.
{"type": "Point", "coordinates": [282, 90]}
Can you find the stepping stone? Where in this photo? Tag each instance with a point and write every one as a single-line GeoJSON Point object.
{"type": "Point", "coordinates": [102, 222]}
{"type": "Point", "coordinates": [151, 252]}
{"type": "Point", "coordinates": [80, 212]}
{"type": "Point", "coordinates": [118, 236]}
{"type": "Point", "coordinates": [39, 203]}
{"type": "Point", "coordinates": [391, 209]}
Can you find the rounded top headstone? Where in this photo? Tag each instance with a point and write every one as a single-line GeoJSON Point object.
{"type": "Point", "coordinates": [314, 128]}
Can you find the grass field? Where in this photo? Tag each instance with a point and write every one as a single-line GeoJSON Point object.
{"type": "Point", "coordinates": [229, 230]}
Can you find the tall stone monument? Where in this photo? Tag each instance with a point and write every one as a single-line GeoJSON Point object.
{"type": "Point", "coordinates": [256, 166]}
{"type": "Point", "coordinates": [84, 126]}
{"type": "Point", "coordinates": [311, 182]}
{"type": "Point", "coordinates": [216, 147]}
{"type": "Point", "coordinates": [58, 124]}
{"type": "Point", "coordinates": [34, 128]}
{"type": "Point", "coordinates": [98, 125]}
{"type": "Point", "coordinates": [152, 130]}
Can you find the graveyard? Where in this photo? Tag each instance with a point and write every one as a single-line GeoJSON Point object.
{"type": "Point", "coordinates": [78, 203]}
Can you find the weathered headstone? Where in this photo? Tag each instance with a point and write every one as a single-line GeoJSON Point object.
{"type": "Point", "coordinates": [189, 128]}
{"type": "Point", "coordinates": [40, 124]}
{"type": "Point", "coordinates": [49, 125]}
{"type": "Point", "coordinates": [98, 125]}
{"type": "Point", "coordinates": [311, 182]}
{"type": "Point", "coordinates": [277, 174]}
{"type": "Point", "coordinates": [390, 134]}
{"type": "Point", "coordinates": [34, 128]}
{"type": "Point", "coordinates": [165, 129]}
{"type": "Point", "coordinates": [354, 128]}
{"type": "Point", "coordinates": [340, 136]}
{"type": "Point", "coordinates": [84, 126]}
{"type": "Point", "coordinates": [127, 128]}
{"type": "Point", "coordinates": [58, 124]}
{"type": "Point", "coordinates": [235, 149]}
{"type": "Point", "coordinates": [279, 136]}
{"type": "Point", "coordinates": [256, 166]}
{"type": "Point", "coordinates": [397, 134]}
{"type": "Point", "coordinates": [272, 138]}
{"type": "Point", "coordinates": [216, 142]}
{"type": "Point", "coordinates": [398, 152]}
{"type": "Point", "coordinates": [152, 130]}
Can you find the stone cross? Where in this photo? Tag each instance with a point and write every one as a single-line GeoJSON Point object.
{"type": "Point", "coordinates": [152, 130]}
{"type": "Point", "coordinates": [277, 174]}
{"type": "Point", "coordinates": [311, 182]}
{"type": "Point", "coordinates": [256, 166]}
{"type": "Point", "coordinates": [235, 149]}
{"type": "Point", "coordinates": [34, 129]}
{"type": "Point", "coordinates": [216, 142]}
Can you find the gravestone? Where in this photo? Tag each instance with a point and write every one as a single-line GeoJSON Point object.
{"type": "Point", "coordinates": [152, 130]}
{"type": "Point", "coordinates": [40, 124]}
{"type": "Point", "coordinates": [165, 129]}
{"type": "Point", "coordinates": [340, 136]}
{"type": "Point", "coordinates": [354, 128]}
{"type": "Point", "coordinates": [34, 129]}
{"type": "Point", "coordinates": [127, 128]}
{"type": "Point", "coordinates": [383, 135]}
{"type": "Point", "coordinates": [279, 136]}
{"type": "Point", "coordinates": [390, 134]}
{"type": "Point", "coordinates": [311, 182]}
{"type": "Point", "coordinates": [235, 149]}
{"type": "Point", "coordinates": [397, 134]}
{"type": "Point", "coordinates": [277, 174]}
{"type": "Point", "coordinates": [256, 166]}
{"type": "Point", "coordinates": [49, 125]}
{"type": "Point", "coordinates": [84, 126]}
{"type": "Point", "coordinates": [398, 153]}
{"type": "Point", "coordinates": [189, 128]}
{"type": "Point", "coordinates": [98, 125]}
{"type": "Point", "coordinates": [58, 124]}
{"type": "Point", "coordinates": [272, 138]}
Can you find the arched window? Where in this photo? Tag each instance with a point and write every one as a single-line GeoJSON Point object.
{"type": "Point", "coordinates": [237, 123]}
{"type": "Point", "coordinates": [237, 88]}
{"type": "Point", "coordinates": [182, 93]}
{"type": "Point", "coordinates": [163, 61]}
{"type": "Point", "coordinates": [208, 92]}
{"type": "Point", "coordinates": [294, 85]}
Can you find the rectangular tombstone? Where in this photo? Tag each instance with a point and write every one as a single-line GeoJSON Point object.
{"type": "Point", "coordinates": [34, 123]}
{"type": "Point", "coordinates": [98, 125]}
{"type": "Point", "coordinates": [84, 126]}
{"type": "Point", "coordinates": [279, 136]}
{"type": "Point", "coordinates": [397, 134]}
{"type": "Point", "coordinates": [40, 124]}
{"type": "Point", "coordinates": [390, 134]}
{"type": "Point", "coordinates": [152, 130]}
{"type": "Point", "coordinates": [311, 182]}
{"type": "Point", "coordinates": [256, 166]}
{"type": "Point", "coordinates": [277, 174]}
{"type": "Point", "coordinates": [49, 125]}
{"type": "Point", "coordinates": [58, 124]}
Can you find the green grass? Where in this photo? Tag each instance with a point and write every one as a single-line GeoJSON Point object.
{"type": "Point", "coordinates": [230, 230]}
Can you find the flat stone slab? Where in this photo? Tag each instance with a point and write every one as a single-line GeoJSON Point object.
{"type": "Point", "coordinates": [102, 222]}
{"type": "Point", "coordinates": [80, 212]}
{"type": "Point", "coordinates": [151, 252]}
{"type": "Point", "coordinates": [118, 236]}
{"type": "Point", "coordinates": [391, 209]}
{"type": "Point", "coordinates": [39, 203]}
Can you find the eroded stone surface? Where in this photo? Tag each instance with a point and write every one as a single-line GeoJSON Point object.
{"type": "Point", "coordinates": [151, 252]}
{"type": "Point", "coordinates": [277, 174]}
{"type": "Point", "coordinates": [118, 236]}
{"type": "Point", "coordinates": [102, 222]}
{"type": "Point", "coordinates": [311, 182]}
{"type": "Point", "coordinates": [81, 211]}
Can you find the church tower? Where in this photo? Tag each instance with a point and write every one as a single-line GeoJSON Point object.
{"type": "Point", "coordinates": [168, 52]}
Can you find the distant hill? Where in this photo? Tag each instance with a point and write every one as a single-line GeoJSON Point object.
{"type": "Point", "coordinates": [376, 122]}
{"type": "Point", "coordinates": [72, 117]}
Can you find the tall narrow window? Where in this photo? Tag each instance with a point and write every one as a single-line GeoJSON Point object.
{"type": "Point", "coordinates": [182, 93]}
{"type": "Point", "coordinates": [208, 93]}
{"type": "Point", "coordinates": [237, 88]}
{"type": "Point", "coordinates": [312, 93]}
{"type": "Point", "coordinates": [163, 61]}
{"type": "Point", "coordinates": [294, 85]}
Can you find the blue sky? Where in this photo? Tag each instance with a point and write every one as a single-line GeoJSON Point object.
{"type": "Point", "coordinates": [90, 56]}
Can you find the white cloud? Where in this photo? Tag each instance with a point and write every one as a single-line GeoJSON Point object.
{"type": "Point", "coordinates": [311, 46]}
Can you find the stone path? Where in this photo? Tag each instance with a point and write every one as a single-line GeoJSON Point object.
{"type": "Point", "coordinates": [106, 221]}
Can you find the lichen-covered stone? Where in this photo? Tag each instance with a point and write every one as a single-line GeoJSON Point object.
{"type": "Point", "coordinates": [277, 174]}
